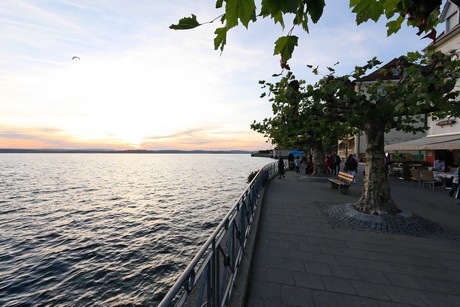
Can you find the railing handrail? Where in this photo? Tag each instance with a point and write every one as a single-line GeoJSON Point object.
{"type": "Point", "coordinates": [184, 280]}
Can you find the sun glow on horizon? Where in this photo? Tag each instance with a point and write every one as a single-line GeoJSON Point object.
{"type": "Point", "coordinates": [136, 84]}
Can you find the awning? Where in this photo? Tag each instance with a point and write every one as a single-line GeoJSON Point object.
{"type": "Point", "coordinates": [447, 142]}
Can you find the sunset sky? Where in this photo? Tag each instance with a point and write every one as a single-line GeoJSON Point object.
{"type": "Point", "coordinates": [138, 84]}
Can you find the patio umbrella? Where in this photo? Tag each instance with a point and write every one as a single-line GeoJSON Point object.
{"type": "Point", "coordinates": [296, 153]}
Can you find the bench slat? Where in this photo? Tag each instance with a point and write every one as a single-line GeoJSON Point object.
{"type": "Point", "coordinates": [337, 181]}
{"type": "Point", "coordinates": [346, 176]}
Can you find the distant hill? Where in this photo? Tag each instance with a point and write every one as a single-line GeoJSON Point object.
{"type": "Point", "coordinates": [167, 151]}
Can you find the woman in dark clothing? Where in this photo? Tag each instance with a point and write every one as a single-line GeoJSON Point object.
{"type": "Point", "coordinates": [280, 167]}
{"type": "Point", "coordinates": [351, 166]}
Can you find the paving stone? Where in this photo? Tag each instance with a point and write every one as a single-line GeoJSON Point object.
{"type": "Point", "coordinates": [372, 276]}
{"type": "Point", "coordinates": [259, 273]}
{"type": "Point", "coordinates": [455, 299]}
{"type": "Point", "coordinates": [280, 276]}
{"type": "Point", "coordinates": [347, 261]}
{"type": "Point", "coordinates": [307, 280]}
{"type": "Point", "coordinates": [317, 268]}
{"type": "Point", "coordinates": [339, 285]}
{"type": "Point", "coordinates": [295, 296]}
{"type": "Point", "coordinates": [370, 290]}
{"type": "Point", "coordinates": [301, 255]}
{"type": "Point", "coordinates": [344, 272]}
{"type": "Point", "coordinates": [288, 264]}
{"type": "Point", "coordinates": [401, 280]}
{"type": "Point", "coordinates": [337, 243]}
{"type": "Point", "coordinates": [439, 285]}
{"type": "Point", "coordinates": [312, 248]}
{"type": "Point", "coordinates": [438, 299]}
{"type": "Point", "coordinates": [324, 298]}
{"type": "Point", "coordinates": [290, 245]}
{"type": "Point", "coordinates": [404, 296]}
{"type": "Point", "coordinates": [324, 258]}
{"type": "Point", "coordinates": [267, 293]}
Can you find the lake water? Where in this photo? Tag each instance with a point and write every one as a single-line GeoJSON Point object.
{"type": "Point", "coordinates": [108, 229]}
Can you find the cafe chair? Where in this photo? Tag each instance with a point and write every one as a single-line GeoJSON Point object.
{"type": "Point", "coordinates": [427, 178]}
{"type": "Point", "coordinates": [415, 176]}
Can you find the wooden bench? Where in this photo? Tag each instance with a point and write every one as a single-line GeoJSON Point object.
{"type": "Point", "coordinates": [342, 182]}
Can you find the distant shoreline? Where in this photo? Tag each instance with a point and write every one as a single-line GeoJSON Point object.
{"type": "Point", "coordinates": [134, 151]}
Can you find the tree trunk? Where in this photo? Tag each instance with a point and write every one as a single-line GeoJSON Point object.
{"type": "Point", "coordinates": [318, 159]}
{"type": "Point", "coordinates": [376, 197]}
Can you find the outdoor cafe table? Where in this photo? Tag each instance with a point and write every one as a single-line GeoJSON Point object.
{"type": "Point", "coordinates": [442, 176]}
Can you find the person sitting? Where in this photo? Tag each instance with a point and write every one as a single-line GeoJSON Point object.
{"type": "Point", "coordinates": [455, 183]}
{"type": "Point", "coordinates": [439, 165]}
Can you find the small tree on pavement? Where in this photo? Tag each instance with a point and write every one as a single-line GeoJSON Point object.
{"type": "Point", "coordinates": [297, 120]}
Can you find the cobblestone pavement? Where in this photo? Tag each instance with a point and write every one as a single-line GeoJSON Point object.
{"type": "Point", "coordinates": [312, 249]}
{"type": "Point", "coordinates": [406, 223]}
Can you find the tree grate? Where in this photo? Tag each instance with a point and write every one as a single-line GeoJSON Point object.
{"type": "Point", "coordinates": [345, 216]}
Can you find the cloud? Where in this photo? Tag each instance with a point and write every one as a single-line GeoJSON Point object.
{"type": "Point", "coordinates": [140, 84]}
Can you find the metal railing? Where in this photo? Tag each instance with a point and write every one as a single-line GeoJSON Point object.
{"type": "Point", "coordinates": [209, 278]}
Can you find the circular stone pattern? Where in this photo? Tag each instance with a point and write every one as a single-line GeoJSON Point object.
{"type": "Point", "coordinates": [405, 223]}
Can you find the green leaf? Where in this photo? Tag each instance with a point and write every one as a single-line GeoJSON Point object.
{"type": "Point", "coordinates": [186, 23]}
{"type": "Point", "coordinates": [219, 4]}
{"type": "Point", "coordinates": [353, 3]}
{"type": "Point", "coordinates": [285, 46]}
{"type": "Point", "coordinates": [272, 8]}
{"type": "Point", "coordinates": [290, 6]}
{"type": "Point", "coordinates": [315, 9]}
{"type": "Point", "coordinates": [243, 10]}
{"type": "Point", "coordinates": [221, 38]}
{"type": "Point", "coordinates": [394, 25]}
{"type": "Point", "coordinates": [390, 7]}
{"type": "Point", "coordinates": [367, 9]}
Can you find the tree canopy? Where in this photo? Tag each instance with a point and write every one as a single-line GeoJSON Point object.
{"type": "Point", "coordinates": [423, 84]}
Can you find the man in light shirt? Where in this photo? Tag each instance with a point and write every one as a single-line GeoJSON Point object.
{"type": "Point", "coordinates": [439, 165]}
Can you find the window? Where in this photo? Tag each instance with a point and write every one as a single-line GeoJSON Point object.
{"type": "Point", "coordinates": [451, 21]}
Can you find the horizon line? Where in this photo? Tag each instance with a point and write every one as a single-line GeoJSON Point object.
{"type": "Point", "coordinates": [46, 150]}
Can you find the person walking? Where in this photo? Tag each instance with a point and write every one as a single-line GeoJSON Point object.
{"type": "Point", "coordinates": [281, 171]}
{"type": "Point", "coordinates": [338, 160]}
{"type": "Point", "coordinates": [297, 164]}
{"type": "Point", "coordinates": [351, 166]}
{"type": "Point", "coordinates": [328, 164]}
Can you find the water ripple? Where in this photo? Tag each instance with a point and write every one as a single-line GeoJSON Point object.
{"type": "Point", "coordinates": [89, 229]}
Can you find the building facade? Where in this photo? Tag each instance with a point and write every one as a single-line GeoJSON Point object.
{"type": "Point", "coordinates": [443, 136]}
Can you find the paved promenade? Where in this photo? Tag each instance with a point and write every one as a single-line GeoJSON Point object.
{"type": "Point", "coordinates": [306, 256]}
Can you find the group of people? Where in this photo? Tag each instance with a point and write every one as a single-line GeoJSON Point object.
{"type": "Point", "coordinates": [331, 164]}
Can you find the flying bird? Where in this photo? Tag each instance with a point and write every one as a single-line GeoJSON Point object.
{"type": "Point", "coordinates": [75, 57]}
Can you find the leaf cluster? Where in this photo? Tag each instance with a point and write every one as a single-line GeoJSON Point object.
{"type": "Point", "coordinates": [244, 11]}
{"type": "Point", "coordinates": [418, 13]}
{"type": "Point", "coordinates": [298, 117]}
